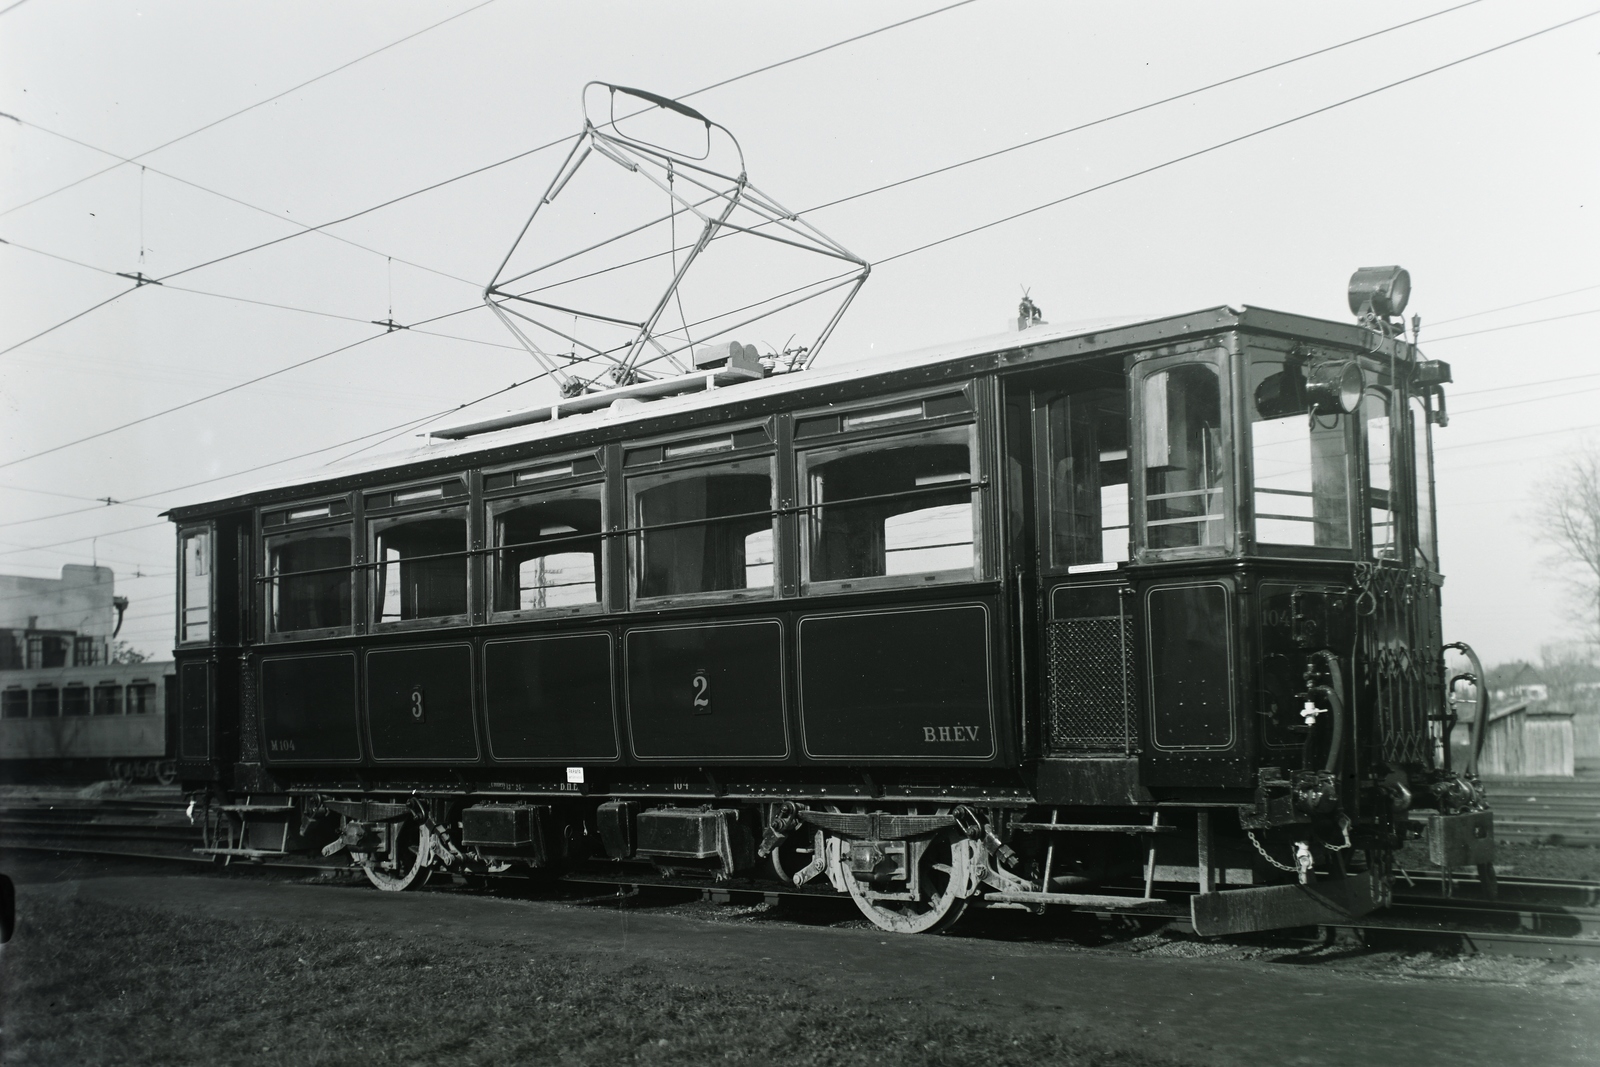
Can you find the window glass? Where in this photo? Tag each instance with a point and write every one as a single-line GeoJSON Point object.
{"type": "Point", "coordinates": [1380, 475]}
{"type": "Point", "coordinates": [1088, 434]}
{"type": "Point", "coordinates": [1427, 543]}
{"type": "Point", "coordinates": [422, 568]}
{"type": "Point", "coordinates": [1298, 460]}
{"type": "Point", "coordinates": [545, 555]}
{"type": "Point", "coordinates": [108, 699]}
{"type": "Point", "coordinates": [14, 704]}
{"type": "Point", "coordinates": [703, 530]}
{"type": "Point", "coordinates": [46, 702]}
{"type": "Point", "coordinates": [85, 651]}
{"type": "Point", "coordinates": [1184, 461]}
{"type": "Point", "coordinates": [194, 587]}
{"type": "Point", "coordinates": [893, 506]}
{"type": "Point", "coordinates": [47, 650]}
{"type": "Point", "coordinates": [75, 700]}
{"type": "Point", "coordinates": [141, 698]}
{"type": "Point", "coordinates": [309, 586]}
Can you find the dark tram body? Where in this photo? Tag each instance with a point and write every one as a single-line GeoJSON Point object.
{"type": "Point", "coordinates": [1064, 617]}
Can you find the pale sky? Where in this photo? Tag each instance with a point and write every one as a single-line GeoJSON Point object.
{"type": "Point", "coordinates": [1479, 179]}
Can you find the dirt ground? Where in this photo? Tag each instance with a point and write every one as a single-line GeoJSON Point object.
{"type": "Point", "coordinates": [121, 964]}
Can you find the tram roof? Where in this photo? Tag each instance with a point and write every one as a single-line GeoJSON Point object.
{"type": "Point", "coordinates": [1081, 338]}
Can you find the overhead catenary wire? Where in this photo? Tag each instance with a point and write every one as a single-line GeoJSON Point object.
{"type": "Point", "coordinates": [415, 328]}
{"type": "Point", "coordinates": [1234, 140]}
{"type": "Point", "coordinates": [459, 177]}
{"type": "Point", "coordinates": [949, 238]}
{"type": "Point", "coordinates": [474, 172]}
{"type": "Point", "coordinates": [1514, 325]}
{"type": "Point", "coordinates": [1047, 137]}
{"type": "Point", "coordinates": [251, 107]}
{"type": "Point", "coordinates": [231, 199]}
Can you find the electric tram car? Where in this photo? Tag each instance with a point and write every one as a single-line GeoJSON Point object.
{"type": "Point", "coordinates": [1070, 616]}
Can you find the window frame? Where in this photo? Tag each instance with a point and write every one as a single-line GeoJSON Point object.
{"type": "Point", "coordinates": [185, 531]}
{"type": "Point", "coordinates": [1426, 555]}
{"type": "Point", "coordinates": [515, 496]}
{"type": "Point", "coordinates": [275, 536]}
{"type": "Point", "coordinates": [1221, 361]}
{"type": "Point", "coordinates": [1355, 484]}
{"type": "Point", "coordinates": [1041, 400]}
{"type": "Point", "coordinates": [118, 700]}
{"type": "Point", "coordinates": [1380, 385]}
{"type": "Point", "coordinates": [631, 474]}
{"type": "Point", "coordinates": [843, 443]}
{"type": "Point", "coordinates": [379, 520]}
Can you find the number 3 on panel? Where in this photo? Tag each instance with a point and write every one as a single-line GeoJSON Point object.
{"type": "Point", "coordinates": [416, 703]}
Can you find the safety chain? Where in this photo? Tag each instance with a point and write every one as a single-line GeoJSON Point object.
{"type": "Point", "coordinates": [1344, 827]}
{"type": "Point", "coordinates": [1281, 866]}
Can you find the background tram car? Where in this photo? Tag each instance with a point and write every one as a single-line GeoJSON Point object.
{"type": "Point", "coordinates": [68, 713]}
{"type": "Point", "coordinates": [1053, 618]}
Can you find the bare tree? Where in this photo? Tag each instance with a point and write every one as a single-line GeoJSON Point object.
{"type": "Point", "coordinates": [1569, 523]}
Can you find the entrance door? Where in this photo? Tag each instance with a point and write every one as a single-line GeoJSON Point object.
{"type": "Point", "coordinates": [1084, 674]}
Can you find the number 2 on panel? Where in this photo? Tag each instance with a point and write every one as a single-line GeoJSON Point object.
{"type": "Point", "coordinates": [702, 690]}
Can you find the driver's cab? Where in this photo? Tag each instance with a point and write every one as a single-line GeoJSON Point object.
{"type": "Point", "coordinates": [1205, 516]}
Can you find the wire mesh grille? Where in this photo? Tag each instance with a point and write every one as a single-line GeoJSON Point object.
{"type": "Point", "coordinates": [1090, 684]}
{"type": "Point", "coordinates": [249, 737]}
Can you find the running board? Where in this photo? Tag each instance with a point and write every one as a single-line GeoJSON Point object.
{"type": "Point", "coordinates": [1081, 900]}
{"type": "Point", "coordinates": [1274, 907]}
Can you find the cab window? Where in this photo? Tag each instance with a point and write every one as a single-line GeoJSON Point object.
{"type": "Point", "coordinates": [1382, 505]}
{"type": "Point", "coordinates": [194, 586]}
{"type": "Point", "coordinates": [1184, 458]}
{"type": "Point", "coordinates": [1088, 477]}
{"type": "Point", "coordinates": [1299, 461]}
{"type": "Point", "coordinates": [1427, 539]}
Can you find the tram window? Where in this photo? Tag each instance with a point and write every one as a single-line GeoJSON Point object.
{"type": "Point", "coordinates": [141, 698]}
{"type": "Point", "coordinates": [46, 702]}
{"type": "Point", "coordinates": [718, 534]}
{"type": "Point", "coordinates": [1427, 544]}
{"type": "Point", "coordinates": [422, 568]}
{"type": "Point", "coordinates": [1184, 462]}
{"type": "Point", "coordinates": [309, 586]}
{"type": "Point", "coordinates": [547, 550]}
{"type": "Point", "coordinates": [194, 587]}
{"type": "Point", "coordinates": [1088, 434]}
{"type": "Point", "coordinates": [75, 700]}
{"type": "Point", "coordinates": [891, 507]}
{"type": "Point", "coordinates": [107, 699]}
{"type": "Point", "coordinates": [1298, 461]}
{"type": "Point", "coordinates": [1380, 476]}
{"type": "Point", "coordinates": [14, 704]}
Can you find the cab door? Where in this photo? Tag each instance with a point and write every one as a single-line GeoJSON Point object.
{"type": "Point", "coordinates": [1081, 660]}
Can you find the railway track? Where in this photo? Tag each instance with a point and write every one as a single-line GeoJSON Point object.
{"type": "Point", "coordinates": [1529, 917]}
{"type": "Point", "coordinates": [1546, 810]}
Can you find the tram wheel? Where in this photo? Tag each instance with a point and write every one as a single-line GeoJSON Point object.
{"type": "Point", "coordinates": [406, 863]}
{"type": "Point", "coordinates": [943, 870]}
